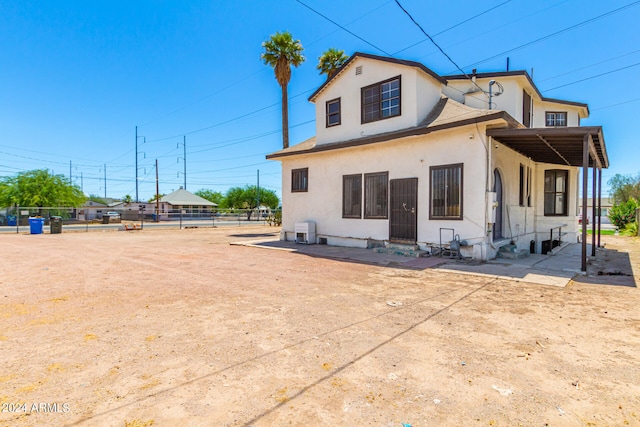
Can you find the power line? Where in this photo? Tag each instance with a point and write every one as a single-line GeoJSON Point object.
{"type": "Point", "coordinates": [589, 66]}
{"type": "Point", "coordinates": [454, 26]}
{"type": "Point", "coordinates": [432, 40]}
{"type": "Point", "coordinates": [593, 77]}
{"type": "Point", "coordinates": [615, 105]}
{"type": "Point", "coordinates": [548, 36]}
{"type": "Point", "coordinates": [344, 29]}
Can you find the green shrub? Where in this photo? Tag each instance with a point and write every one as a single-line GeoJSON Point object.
{"type": "Point", "coordinates": [631, 229]}
{"type": "Point", "coordinates": [623, 213]}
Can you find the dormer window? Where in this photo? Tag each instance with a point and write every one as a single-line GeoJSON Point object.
{"type": "Point", "coordinates": [555, 118]}
{"type": "Point", "coordinates": [333, 112]}
{"type": "Point", "coordinates": [381, 100]}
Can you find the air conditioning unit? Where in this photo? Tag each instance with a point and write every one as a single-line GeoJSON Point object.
{"type": "Point", "coordinates": [305, 232]}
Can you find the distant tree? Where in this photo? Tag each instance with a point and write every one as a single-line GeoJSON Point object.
{"type": "Point", "coordinates": [247, 198]}
{"type": "Point", "coordinates": [156, 196]}
{"type": "Point", "coordinates": [127, 199]}
{"type": "Point", "coordinates": [212, 196]}
{"type": "Point", "coordinates": [624, 187]}
{"type": "Point", "coordinates": [330, 61]}
{"type": "Point", "coordinates": [281, 51]}
{"type": "Point", "coordinates": [39, 188]}
{"type": "Point", "coordinates": [97, 199]}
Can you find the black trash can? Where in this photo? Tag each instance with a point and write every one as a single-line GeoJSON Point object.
{"type": "Point", "coordinates": [105, 219]}
{"type": "Point", "coordinates": [55, 224]}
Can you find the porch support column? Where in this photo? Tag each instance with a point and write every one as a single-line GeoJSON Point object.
{"type": "Point", "coordinates": [599, 202]}
{"type": "Point", "coordinates": [585, 186]}
{"type": "Point", "coordinates": [593, 211]}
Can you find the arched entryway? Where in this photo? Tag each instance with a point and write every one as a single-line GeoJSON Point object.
{"type": "Point", "coordinates": [497, 188]}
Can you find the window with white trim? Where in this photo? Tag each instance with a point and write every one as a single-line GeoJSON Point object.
{"type": "Point", "coordinates": [381, 100]}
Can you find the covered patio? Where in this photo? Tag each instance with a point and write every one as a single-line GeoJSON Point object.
{"type": "Point", "coordinates": [582, 147]}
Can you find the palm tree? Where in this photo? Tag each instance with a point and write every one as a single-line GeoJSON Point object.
{"type": "Point", "coordinates": [330, 61]}
{"type": "Point", "coordinates": [281, 51]}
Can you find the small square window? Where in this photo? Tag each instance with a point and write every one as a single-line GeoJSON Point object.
{"type": "Point", "coordinates": [554, 118]}
{"type": "Point", "coordinates": [299, 180]}
{"type": "Point", "coordinates": [333, 112]}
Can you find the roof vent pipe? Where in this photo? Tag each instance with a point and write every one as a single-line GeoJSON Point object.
{"type": "Point", "coordinates": [491, 83]}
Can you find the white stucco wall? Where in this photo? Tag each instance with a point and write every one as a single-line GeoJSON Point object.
{"type": "Point", "coordinates": [541, 107]}
{"type": "Point", "coordinates": [406, 158]}
{"type": "Point", "coordinates": [510, 100]}
{"type": "Point", "coordinates": [570, 221]}
{"type": "Point", "coordinates": [414, 85]}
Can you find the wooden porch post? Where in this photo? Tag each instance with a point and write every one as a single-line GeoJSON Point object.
{"type": "Point", "coordinates": [593, 211]}
{"type": "Point", "coordinates": [585, 176]}
{"type": "Point", "coordinates": [599, 202]}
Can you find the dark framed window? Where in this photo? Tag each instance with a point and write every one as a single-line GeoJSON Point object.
{"type": "Point", "coordinates": [299, 180]}
{"type": "Point", "coordinates": [525, 185]}
{"type": "Point", "coordinates": [381, 100]}
{"type": "Point", "coordinates": [445, 200]}
{"type": "Point", "coordinates": [555, 192]}
{"type": "Point", "coordinates": [352, 196]}
{"type": "Point", "coordinates": [556, 118]}
{"type": "Point", "coordinates": [376, 194]}
{"type": "Point", "coordinates": [333, 112]}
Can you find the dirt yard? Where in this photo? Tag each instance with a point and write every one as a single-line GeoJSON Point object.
{"type": "Point", "coordinates": [178, 328]}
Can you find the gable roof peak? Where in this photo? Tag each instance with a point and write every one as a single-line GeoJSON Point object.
{"type": "Point", "coordinates": [388, 59]}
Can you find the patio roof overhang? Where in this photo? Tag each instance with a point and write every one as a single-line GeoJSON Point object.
{"type": "Point", "coordinates": [563, 146]}
{"type": "Point", "coordinates": [571, 146]}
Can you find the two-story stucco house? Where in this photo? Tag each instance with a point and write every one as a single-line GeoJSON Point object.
{"type": "Point", "coordinates": [402, 154]}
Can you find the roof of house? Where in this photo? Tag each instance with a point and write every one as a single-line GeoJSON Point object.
{"type": "Point", "coordinates": [446, 114]}
{"type": "Point", "coordinates": [378, 58]}
{"type": "Point", "coordinates": [182, 197]}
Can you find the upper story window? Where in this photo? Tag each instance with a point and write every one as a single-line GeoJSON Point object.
{"type": "Point", "coordinates": [333, 112]}
{"type": "Point", "coordinates": [381, 100]}
{"type": "Point", "coordinates": [299, 180]}
{"type": "Point", "coordinates": [555, 118]}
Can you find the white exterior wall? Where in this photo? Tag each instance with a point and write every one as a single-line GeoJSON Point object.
{"type": "Point", "coordinates": [545, 223]}
{"type": "Point", "coordinates": [414, 85]}
{"type": "Point", "coordinates": [518, 222]}
{"type": "Point", "coordinates": [510, 100]}
{"type": "Point", "coordinates": [406, 158]}
{"type": "Point", "coordinates": [541, 107]}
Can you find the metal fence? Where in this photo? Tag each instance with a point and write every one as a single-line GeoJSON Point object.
{"type": "Point", "coordinates": [17, 220]}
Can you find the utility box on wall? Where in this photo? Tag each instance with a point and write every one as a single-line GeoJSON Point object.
{"type": "Point", "coordinates": [305, 232]}
{"type": "Point", "coordinates": [491, 204]}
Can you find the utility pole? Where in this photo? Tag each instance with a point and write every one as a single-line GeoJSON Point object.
{"type": "Point", "coordinates": [136, 163]}
{"type": "Point", "coordinates": [144, 140]}
{"type": "Point", "coordinates": [70, 180]}
{"type": "Point", "coordinates": [157, 195]}
{"type": "Point", "coordinates": [81, 183]}
{"type": "Point", "coordinates": [258, 193]}
{"type": "Point", "coordinates": [105, 180]}
{"type": "Point", "coordinates": [184, 159]}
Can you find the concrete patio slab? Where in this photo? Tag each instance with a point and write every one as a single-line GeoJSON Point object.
{"type": "Point", "coordinates": [552, 270]}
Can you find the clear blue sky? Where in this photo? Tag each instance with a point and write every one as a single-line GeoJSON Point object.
{"type": "Point", "coordinates": [76, 77]}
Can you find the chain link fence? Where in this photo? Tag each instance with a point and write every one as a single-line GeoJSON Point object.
{"type": "Point", "coordinates": [17, 219]}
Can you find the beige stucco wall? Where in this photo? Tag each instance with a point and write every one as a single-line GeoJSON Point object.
{"type": "Point", "coordinates": [414, 85]}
